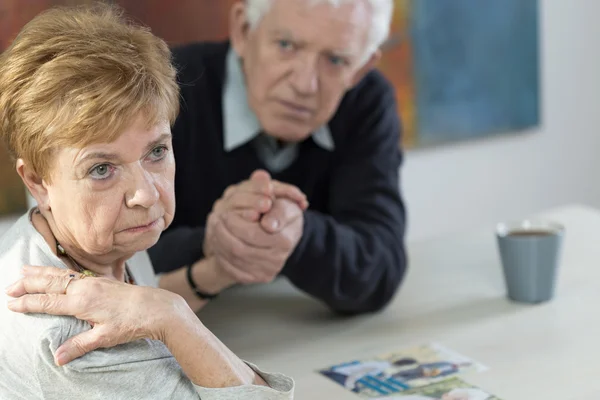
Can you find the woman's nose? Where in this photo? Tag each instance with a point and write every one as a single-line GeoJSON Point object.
{"type": "Point", "coordinates": [143, 192]}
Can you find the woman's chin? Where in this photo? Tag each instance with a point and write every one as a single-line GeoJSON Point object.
{"type": "Point", "coordinates": [141, 243]}
{"type": "Point", "coordinates": [132, 243]}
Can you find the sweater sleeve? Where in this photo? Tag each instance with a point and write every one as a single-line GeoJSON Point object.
{"type": "Point", "coordinates": [353, 257]}
{"type": "Point", "coordinates": [143, 369]}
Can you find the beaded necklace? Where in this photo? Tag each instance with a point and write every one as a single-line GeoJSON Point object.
{"type": "Point", "coordinates": [63, 253]}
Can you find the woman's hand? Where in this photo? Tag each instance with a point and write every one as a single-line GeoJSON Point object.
{"type": "Point", "coordinates": [118, 312]}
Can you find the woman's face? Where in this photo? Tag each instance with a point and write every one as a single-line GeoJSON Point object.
{"type": "Point", "coordinates": [115, 198]}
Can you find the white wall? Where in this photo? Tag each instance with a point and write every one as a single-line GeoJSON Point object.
{"type": "Point", "coordinates": [474, 184]}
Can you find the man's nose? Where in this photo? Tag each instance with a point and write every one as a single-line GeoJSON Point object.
{"type": "Point", "coordinates": [305, 79]}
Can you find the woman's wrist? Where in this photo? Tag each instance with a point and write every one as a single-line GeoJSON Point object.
{"type": "Point", "coordinates": [203, 358]}
{"type": "Point", "coordinates": [169, 312]}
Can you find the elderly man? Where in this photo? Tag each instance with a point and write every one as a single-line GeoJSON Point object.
{"type": "Point", "coordinates": [293, 93]}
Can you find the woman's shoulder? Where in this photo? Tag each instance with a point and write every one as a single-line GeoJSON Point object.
{"type": "Point", "coordinates": [29, 342]}
{"type": "Point", "coordinates": [29, 339]}
{"type": "Point", "coordinates": [23, 245]}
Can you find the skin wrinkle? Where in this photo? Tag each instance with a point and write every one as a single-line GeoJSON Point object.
{"type": "Point", "coordinates": [139, 190]}
{"type": "Point", "coordinates": [287, 60]}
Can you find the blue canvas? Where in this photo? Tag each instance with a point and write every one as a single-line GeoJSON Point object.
{"type": "Point", "coordinates": [475, 67]}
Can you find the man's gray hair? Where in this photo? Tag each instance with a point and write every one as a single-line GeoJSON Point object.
{"type": "Point", "coordinates": [381, 14]}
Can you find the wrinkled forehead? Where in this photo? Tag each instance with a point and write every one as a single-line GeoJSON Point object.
{"type": "Point", "coordinates": [342, 26]}
{"type": "Point", "coordinates": [135, 138]}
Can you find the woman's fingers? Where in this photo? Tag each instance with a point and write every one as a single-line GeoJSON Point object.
{"type": "Point", "coordinates": [80, 345]}
{"type": "Point", "coordinates": [54, 304]}
{"type": "Point", "coordinates": [49, 284]}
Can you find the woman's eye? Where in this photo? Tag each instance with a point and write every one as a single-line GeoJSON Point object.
{"type": "Point", "coordinates": [101, 171]}
{"type": "Point", "coordinates": [158, 153]}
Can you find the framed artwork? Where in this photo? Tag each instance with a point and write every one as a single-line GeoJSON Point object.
{"type": "Point", "coordinates": [464, 69]}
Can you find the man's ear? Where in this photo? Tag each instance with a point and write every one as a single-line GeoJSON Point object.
{"type": "Point", "coordinates": [369, 65]}
{"type": "Point", "coordinates": [34, 183]}
{"type": "Point", "coordinates": [238, 27]}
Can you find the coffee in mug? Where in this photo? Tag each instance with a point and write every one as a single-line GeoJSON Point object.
{"type": "Point", "coordinates": [530, 253]}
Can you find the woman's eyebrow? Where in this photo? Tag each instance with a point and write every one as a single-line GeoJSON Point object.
{"type": "Point", "coordinates": [158, 141]}
{"type": "Point", "coordinates": [104, 156]}
{"type": "Point", "coordinates": [98, 155]}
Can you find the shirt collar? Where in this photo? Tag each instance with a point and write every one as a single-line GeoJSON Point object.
{"type": "Point", "coordinates": [240, 124]}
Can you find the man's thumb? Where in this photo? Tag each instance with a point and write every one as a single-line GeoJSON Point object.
{"type": "Point", "coordinates": [260, 175]}
{"type": "Point", "coordinates": [78, 346]}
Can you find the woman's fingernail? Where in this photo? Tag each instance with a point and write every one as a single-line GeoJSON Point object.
{"type": "Point", "coordinates": [9, 287]}
{"type": "Point", "coordinates": [11, 303]}
{"type": "Point", "coordinates": [61, 358]}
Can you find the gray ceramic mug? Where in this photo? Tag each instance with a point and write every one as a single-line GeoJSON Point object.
{"type": "Point", "coordinates": [530, 253]}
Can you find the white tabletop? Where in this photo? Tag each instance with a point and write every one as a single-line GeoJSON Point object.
{"type": "Point", "coordinates": [454, 295]}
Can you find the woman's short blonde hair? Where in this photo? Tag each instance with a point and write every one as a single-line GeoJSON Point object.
{"type": "Point", "coordinates": [80, 75]}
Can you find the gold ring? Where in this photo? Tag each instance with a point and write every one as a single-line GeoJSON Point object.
{"type": "Point", "coordinates": [71, 277]}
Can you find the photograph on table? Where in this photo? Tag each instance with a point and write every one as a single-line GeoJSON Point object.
{"type": "Point", "coordinates": [448, 389]}
{"type": "Point", "coordinates": [401, 370]}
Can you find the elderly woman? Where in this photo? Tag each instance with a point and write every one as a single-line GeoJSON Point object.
{"type": "Point", "coordinates": [86, 105]}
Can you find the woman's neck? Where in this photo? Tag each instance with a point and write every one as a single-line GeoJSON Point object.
{"type": "Point", "coordinates": [74, 257]}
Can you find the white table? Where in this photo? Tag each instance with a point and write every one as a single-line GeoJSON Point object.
{"type": "Point", "coordinates": [453, 294]}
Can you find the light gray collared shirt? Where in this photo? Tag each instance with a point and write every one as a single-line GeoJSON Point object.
{"type": "Point", "coordinates": [241, 125]}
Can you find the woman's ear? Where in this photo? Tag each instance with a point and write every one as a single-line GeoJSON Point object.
{"type": "Point", "coordinates": [238, 27]}
{"type": "Point", "coordinates": [36, 185]}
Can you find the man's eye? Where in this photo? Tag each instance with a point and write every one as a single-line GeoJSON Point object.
{"type": "Point", "coordinates": [338, 61]}
{"type": "Point", "coordinates": [285, 44]}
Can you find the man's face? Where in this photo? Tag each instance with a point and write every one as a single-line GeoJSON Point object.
{"type": "Point", "coordinates": [300, 60]}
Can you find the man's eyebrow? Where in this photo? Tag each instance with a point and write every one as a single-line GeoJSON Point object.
{"type": "Point", "coordinates": [342, 53]}
{"type": "Point", "coordinates": [281, 32]}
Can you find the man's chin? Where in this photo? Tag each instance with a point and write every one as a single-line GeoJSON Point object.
{"type": "Point", "coordinates": [290, 135]}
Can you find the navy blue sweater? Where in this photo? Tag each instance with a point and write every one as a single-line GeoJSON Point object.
{"type": "Point", "coordinates": [351, 255]}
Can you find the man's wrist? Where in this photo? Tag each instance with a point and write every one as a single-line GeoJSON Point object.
{"type": "Point", "coordinates": [206, 249]}
{"type": "Point", "coordinates": [209, 278]}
